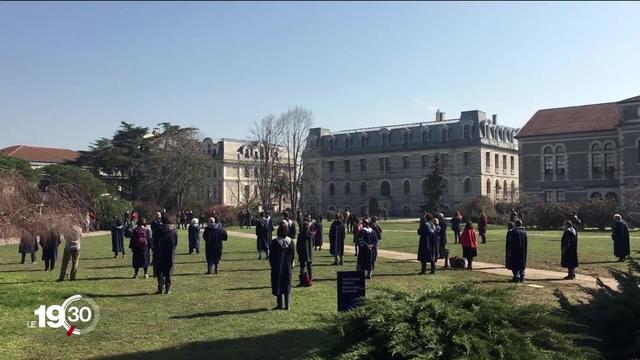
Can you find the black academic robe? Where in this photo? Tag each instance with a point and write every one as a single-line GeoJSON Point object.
{"type": "Point", "coordinates": [317, 240]}
{"type": "Point", "coordinates": [367, 256]}
{"type": "Point", "coordinates": [455, 224]}
{"type": "Point", "coordinates": [49, 243]}
{"type": "Point", "coordinates": [378, 230]}
{"type": "Point", "coordinates": [213, 236]}
{"type": "Point", "coordinates": [442, 234]}
{"type": "Point", "coordinates": [194, 237]}
{"type": "Point", "coordinates": [166, 249]}
{"type": "Point", "coordinates": [291, 226]}
{"type": "Point", "coordinates": [264, 229]}
{"type": "Point", "coordinates": [429, 245]}
{"type": "Point", "coordinates": [156, 226]}
{"type": "Point", "coordinates": [281, 260]}
{"type": "Point", "coordinates": [117, 239]}
{"type": "Point", "coordinates": [140, 253]}
{"type": "Point", "coordinates": [516, 249]}
{"type": "Point", "coordinates": [620, 236]}
{"type": "Point", "coordinates": [304, 245]}
{"type": "Point", "coordinates": [336, 238]}
{"type": "Point", "coordinates": [28, 244]}
{"type": "Point", "coordinates": [569, 249]}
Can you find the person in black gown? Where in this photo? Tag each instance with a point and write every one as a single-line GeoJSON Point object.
{"type": "Point", "coordinates": [281, 258]}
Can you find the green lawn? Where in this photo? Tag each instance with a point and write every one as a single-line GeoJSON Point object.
{"type": "Point", "coordinates": [224, 316]}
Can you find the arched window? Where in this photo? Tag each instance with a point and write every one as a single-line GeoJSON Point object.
{"type": "Point", "coordinates": [488, 189]}
{"type": "Point", "coordinates": [513, 190]}
{"type": "Point", "coordinates": [497, 189]}
{"type": "Point", "coordinates": [347, 188]}
{"type": "Point", "coordinates": [548, 162]}
{"type": "Point", "coordinates": [444, 135]}
{"type": "Point", "coordinates": [405, 138]}
{"type": "Point", "coordinates": [561, 163]}
{"type": "Point", "coordinates": [610, 160]}
{"type": "Point", "coordinates": [215, 192]}
{"type": "Point", "coordinates": [406, 187]}
{"type": "Point", "coordinates": [596, 196]}
{"type": "Point", "coordinates": [505, 192]}
{"type": "Point", "coordinates": [346, 142]}
{"type": "Point", "coordinates": [363, 141]}
{"type": "Point", "coordinates": [385, 188]}
{"type": "Point", "coordinates": [597, 161]}
{"type": "Point", "coordinates": [467, 132]}
{"type": "Point", "coordinates": [425, 138]}
{"type": "Point", "coordinates": [332, 190]}
{"type": "Point", "coordinates": [246, 153]}
{"type": "Point", "coordinates": [467, 186]}
{"type": "Point", "coordinates": [332, 144]}
{"type": "Point", "coordinates": [363, 188]}
{"type": "Point", "coordinates": [385, 139]}
{"type": "Point", "coordinates": [611, 196]}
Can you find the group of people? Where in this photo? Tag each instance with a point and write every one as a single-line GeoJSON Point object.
{"type": "Point", "coordinates": [244, 219]}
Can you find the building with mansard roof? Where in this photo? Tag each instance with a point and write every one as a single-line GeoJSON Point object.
{"type": "Point", "coordinates": [367, 170]}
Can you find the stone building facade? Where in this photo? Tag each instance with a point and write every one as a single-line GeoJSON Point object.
{"type": "Point", "coordinates": [233, 177]}
{"type": "Point", "coordinates": [581, 152]}
{"type": "Point", "coordinates": [366, 170]}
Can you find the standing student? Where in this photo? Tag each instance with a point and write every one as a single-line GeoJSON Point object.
{"type": "Point", "coordinates": [347, 221]}
{"type": "Point", "coordinates": [281, 260]}
{"type": "Point", "coordinates": [482, 227]}
{"type": "Point", "coordinates": [167, 242]}
{"type": "Point", "coordinates": [357, 226]}
{"type": "Point", "coordinates": [214, 234]}
{"type": "Point", "coordinates": [367, 242]}
{"type": "Point", "coordinates": [317, 239]}
{"type": "Point", "coordinates": [117, 239]}
{"type": "Point", "coordinates": [569, 250]}
{"type": "Point", "coordinates": [336, 239]}
{"type": "Point", "coordinates": [428, 246]}
{"type": "Point", "coordinates": [71, 253]}
{"type": "Point", "coordinates": [156, 226]}
{"type": "Point", "coordinates": [376, 227]}
{"type": "Point", "coordinates": [469, 244]}
{"type": "Point", "coordinates": [620, 237]}
{"type": "Point", "coordinates": [444, 251]}
{"type": "Point", "coordinates": [456, 222]}
{"type": "Point", "coordinates": [575, 220]}
{"type": "Point", "coordinates": [139, 245]}
{"type": "Point", "coordinates": [49, 243]}
{"type": "Point", "coordinates": [264, 229]}
{"type": "Point", "coordinates": [304, 247]}
{"type": "Point", "coordinates": [194, 236]}
{"type": "Point", "coordinates": [28, 245]}
{"type": "Point", "coordinates": [291, 226]}
{"type": "Point", "coordinates": [385, 213]}
{"type": "Point", "coordinates": [516, 251]}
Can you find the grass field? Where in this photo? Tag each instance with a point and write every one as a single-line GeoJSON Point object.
{"type": "Point", "coordinates": [224, 316]}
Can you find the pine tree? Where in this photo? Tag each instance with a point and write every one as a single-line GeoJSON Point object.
{"type": "Point", "coordinates": [433, 186]}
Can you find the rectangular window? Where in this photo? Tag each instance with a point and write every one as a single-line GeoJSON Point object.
{"type": "Point", "coordinates": [363, 165]}
{"type": "Point", "coordinates": [561, 196]}
{"type": "Point", "coordinates": [597, 165]}
{"type": "Point", "coordinates": [425, 161]}
{"type": "Point", "coordinates": [381, 161]}
{"type": "Point", "coordinates": [465, 158]}
{"type": "Point", "coordinates": [387, 165]}
{"type": "Point", "coordinates": [513, 165]}
{"type": "Point", "coordinates": [444, 161]}
{"type": "Point", "coordinates": [405, 162]}
{"type": "Point", "coordinates": [549, 196]}
{"type": "Point", "coordinates": [332, 166]}
{"type": "Point", "coordinates": [560, 167]}
{"type": "Point", "coordinates": [496, 163]}
{"type": "Point", "coordinates": [504, 164]}
{"type": "Point", "coordinates": [347, 166]}
{"type": "Point", "coordinates": [487, 160]}
{"type": "Point", "coordinates": [548, 165]}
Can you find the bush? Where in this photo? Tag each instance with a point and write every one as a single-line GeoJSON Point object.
{"type": "Point", "coordinates": [20, 166]}
{"type": "Point", "coordinates": [611, 317]}
{"type": "Point", "coordinates": [462, 322]}
{"type": "Point", "coordinates": [108, 209]}
{"type": "Point", "coordinates": [228, 215]}
{"type": "Point", "coordinates": [549, 215]}
{"type": "Point", "coordinates": [69, 174]}
{"type": "Point", "coordinates": [471, 209]}
{"type": "Point", "coordinates": [146, 210]}
{"type": "Point", "coordinates": [329, 215]}
{"type": "Point", "coordinates": [597, 213]}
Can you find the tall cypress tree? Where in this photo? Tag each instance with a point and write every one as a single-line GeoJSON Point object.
{"type": "Point", "coordinates": [433, 186]}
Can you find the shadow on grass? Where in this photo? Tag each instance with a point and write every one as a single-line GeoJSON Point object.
{"type": "Point", "coordinates": [249, 288]}
{"type": "Point", "coordinates": [220, 313]}
{"type": "Point", "coordinates": [20, 270]}
{"type": "Point", "coordinates": [598, 262]}
{"type": "Point", "coordinates": [109, 267]}
{"type": "Point", "coordinates": [104, 278]}
{"type": "Point", "coordinates": [99, 296]}
{"type": "Point", "coordinates": [224, 270]}
{"type": "Point", "coordinates": [289, 344]}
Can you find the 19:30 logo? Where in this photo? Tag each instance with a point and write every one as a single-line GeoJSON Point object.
{"type": "Point", "coordinates": [77, 315]}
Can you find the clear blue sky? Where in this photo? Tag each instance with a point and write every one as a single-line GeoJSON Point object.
{"type": "Point", "coordinates": [70, 72]}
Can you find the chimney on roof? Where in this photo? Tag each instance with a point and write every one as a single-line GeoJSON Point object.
{"type": "Point", "coordinates": [439, 115]}
{"type": "Point", "coordinates": [494, 119]}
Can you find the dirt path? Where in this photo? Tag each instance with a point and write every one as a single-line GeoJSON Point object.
{"type": "Point", "coordinates": [489, 268]}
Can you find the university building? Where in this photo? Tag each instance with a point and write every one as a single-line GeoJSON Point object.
{"type": "Point", "coordinates": [581, 152]}
{"type": "Point", "coordinates": [39, 156]}
{"type": "Point", "coordinates": [232, 180]}
{"type": "Point", "coordinates": [367, 170]}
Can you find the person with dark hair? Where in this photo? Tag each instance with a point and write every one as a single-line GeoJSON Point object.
{"type": "Point", "coordinates": [575, 220]}
{"type": "Point", "coordinates": [428, 246]}
{"type": "Point", "coordinates": [304, 248]}
{"type": "Point", "coordinates": [139, 245]}
{"type": "Point", "coordinates": [214, 234]}
{"type": "Point", "coordinates": [385, 213]}
{"type": "Point", "coordinates": [317, 239]}
{"type": "Point", "coordinates": [71, 252]}
{"type": "Point", "coordinates": [291, 226]}
{"type": "Point", "coordinates": [456, 222]}
{"type": "Point", "coordinates": [166, 245]}
{"type": "Point", "coordinates": [28, 245]}
{"type": "Point", "coordinates": [357, 227]}
{"type": "Point", "coordinates": [513, 216]}
{"type": "Point", "coordinates": [194, 236]}
{"type": "Point", "coordinates": [156, 227]}
{"type": "Point", "coordinates": [376, 227]}
{"type": "Point", "coordinates": [444, 251]}
{"type": "Point", "coordinates": [569, 250]}
{"type": "Point", "coordinates": [336, 239]}
{"type": "Point", "coordinates": [367, 254]}
{"type": "Point", "coordinates": [117, 239]}
{"type": "Point", "coordinates": [281, 262]}
{"type": "Point", "coordinates": [264, 229]}
{"type": "Point", "coordinates": [469, 244]}
{"type": "Point", "coordinates": [620, 237]}
{"type": "Point", "coordinates": [49, 242]}
{"type": "Point", "coordinates": [483, 222]}
{"type": "Point", "coordinates": [516, 250]}
{"type": "Point", "coordinates": [348, 218]}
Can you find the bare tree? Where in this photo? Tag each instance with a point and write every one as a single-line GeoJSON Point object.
{"type": "Point", "coordinates": [267, 137]}
{"type": "Point", "coordinates": [295, 124]}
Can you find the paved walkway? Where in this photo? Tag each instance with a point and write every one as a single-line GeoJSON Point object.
{"type": "Point", "coordinates": [489, 268]}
